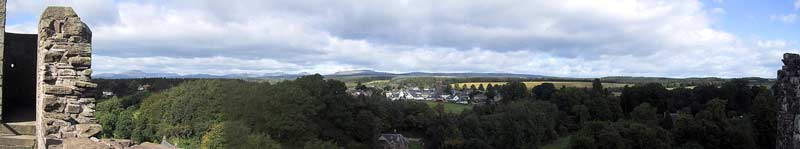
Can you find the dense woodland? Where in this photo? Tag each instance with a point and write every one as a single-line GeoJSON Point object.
{"type": "Point", "coordinates": [313, 112]}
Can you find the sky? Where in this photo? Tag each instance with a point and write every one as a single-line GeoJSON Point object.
{"type": "Point", "coordinates": [565, 38]}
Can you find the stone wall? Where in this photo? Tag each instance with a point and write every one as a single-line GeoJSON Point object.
{"type": "Point", "coordinates": [2, 39]}
{"type": "Point", "coordinates": [63, 75]}
{"type": "Point", "coordinates": [787, 90]}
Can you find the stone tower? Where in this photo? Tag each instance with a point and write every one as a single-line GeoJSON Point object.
{"type": "Point", "coordinates": [44, 80]}
{"type": "Point", "coordinates": [787, 90]}
{"type": "Point", "coordinates": [63, 75]}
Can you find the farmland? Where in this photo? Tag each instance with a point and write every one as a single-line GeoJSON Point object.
{"type": "Point", "coordinates": [558, 84]}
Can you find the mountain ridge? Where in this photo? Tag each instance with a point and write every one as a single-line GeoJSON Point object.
{"type": "Point", "coordinates": [134, 74]}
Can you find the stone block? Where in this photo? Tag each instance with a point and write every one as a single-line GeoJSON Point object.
{"type": "Point", "coordinates": [66, 72]}
{"type": "Point", "coordinates": [57, 90]}
{"type": "Point", "coordinates": [74, 27]}
{"type": "Point", "coordinates": [52, 129]}
{"type": "Point", "coordinates": [88, 130]}
{"type": "Point", "coordinates": [86, 120]}
{"type": "Point", "coordinates": [85, 84]}
{"type": "Point", "coordinates": [69, 134]}
{"type": "Point", "coordinates": [53, 104]}
{"type": "Point", "coordinates": [74, 108]}
{"type": "Point", "coordinates": [63, 66]}
{"type": "Point", "coordinates": [80, 61]}
{"type": "Point", "coordinates": [84, 143]}
{"type": "Point", "coordinates": [60, 116]}
{"type": "Point", "coordinates": [87, 72]}
{"type": "Point", "coordinates": [60, 123]}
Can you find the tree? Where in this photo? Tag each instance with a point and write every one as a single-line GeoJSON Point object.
{"type": "Point", "coordinates": [597, 87]}
{"type": "Point", "coordinates": [645, 114]}
{"type": "Point", "coordinates": [472, 88]}
{"type": "Point", "coordinates": [513, 91]}
{"type": "Point", "coordinates": [361, 87]}
{"type": "Point", "coordinates": [491, 92]}
{"type": "Point", "coordinates": [653, 93]}
{"type": "Point", "coordinates": [623, 135]}
{"type": "Point", "coordinates": [765, 111]}
{"type": "Point", "coordinates": [712, 128]}
{"type": "Point", "coordinates": [739, 95]}
{"type": "Point", "coordinates": [448, 90]}
{"type": "Point", "coordinates": [544, 91]}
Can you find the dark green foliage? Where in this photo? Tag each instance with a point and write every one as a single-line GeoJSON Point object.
{"type": "Point", "coordinates": [519, 124]}
{"type": "Point", "coordinates": [513, 91]}
{"type": "Point", "coordinates": [765, 118]}
{"type": "Point", "coordinates": [712, 128]}
{"type": "Point", "coordinates": [491, 92]}
{"type": "Point", "coordinates": [739, 95]}
{"type": "Point", "coordinates": [651, 93]}
{"type": "Point", "coordinates": [597, 87]}
{"type": "Point", "coordinates": [544, 91]}
{"type": "Point", "coordinates": [621, 135]}
{"type": "Point", "coordinates": [312, 112]}
{"type": "Point", "coordinates": [645, 114]}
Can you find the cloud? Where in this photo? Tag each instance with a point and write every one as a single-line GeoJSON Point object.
{"type": "Point", "coordinates": [560, 38]}
{"type": "Point", "coordinates": [772, 44]}
{"type": "Point", "coordinates": [787, 18]}
{"type": "Point", "coordinates": [797, 5]}
{"type": "Point", "coordinates": [718, 11]}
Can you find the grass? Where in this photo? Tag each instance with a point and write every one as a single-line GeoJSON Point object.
{"type": "Point", "coordinates": [449, 107]}
{"type": "Point", "coordinates": [415, 145]}
{"type": "Point", "coordinates": [561, 143]}
{"type": "Point", "coordinates": [558, 84]}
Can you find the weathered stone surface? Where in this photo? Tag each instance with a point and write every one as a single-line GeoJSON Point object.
{"type": "Point", "coordinates": [65, 67]}
{"type": "Point", "coordinates": [117, 143]}
{"type": "Point", "coordinates": [74, 108]}
{"type": "Point", "coordinates": [85, 84]}
{"type": "Point", "coordinates": [787, 91]}
{"type": "Point", "coordinates": [83, 143]}
{"type": "Point", "coordinates": [88, 130]}
{"type": "Point", "coordinates": [80, 61]}
{"type": "Point", "coordinates": [85, 120]}
{"type": "Point", "coordinates": [66, 72]}
{"type": "Point", "coordinates": [148, 145]}
{"type": "Point", "coordinates": [57, 90]}
{"type": "Point", "coordinates": [54, 115]}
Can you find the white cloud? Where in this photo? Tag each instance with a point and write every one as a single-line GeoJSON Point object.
{"type": "Point", "coordinates": [772, 44]}
{"type": "Point", "coordinates": [797, 5]}
{"type": "Point", "coordinates": [560, 38]}
{"type": "Point", "coordinates": [718, 11]}
{"type": "Point", "coordinates": [787, 18]}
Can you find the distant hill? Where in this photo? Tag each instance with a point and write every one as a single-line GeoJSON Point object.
{"type": "Point", "coordinates": [280, 75]}
{"type": "Point", "coordinates": [360, 73]}
{"type": "Point", "coordinates": [136, 74]}
{"type": "Point", "coordinates": [370, 73]}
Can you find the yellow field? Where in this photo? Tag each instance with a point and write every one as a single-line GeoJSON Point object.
{"type": "Point", "coordinates": [558, 84]}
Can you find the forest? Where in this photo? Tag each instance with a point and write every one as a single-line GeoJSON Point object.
{"type": "Point", "coordinates": [315, 112]}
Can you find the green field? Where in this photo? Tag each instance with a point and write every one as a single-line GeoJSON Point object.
{"type": "Point", "coordinates": [449, 107]}
{"type": "Point", "coordinates": [558, 84]}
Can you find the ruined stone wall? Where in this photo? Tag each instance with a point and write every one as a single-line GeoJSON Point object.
{"type": "Point", "coordinates": [63, 75]}
{"type": "Point", "coordinates": [2, 48]}
{"type": "Point", "coordinates": [787, 90]}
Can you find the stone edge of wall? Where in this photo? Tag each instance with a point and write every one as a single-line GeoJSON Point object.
{"type": "Point", "coordinates": [63, 76]}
